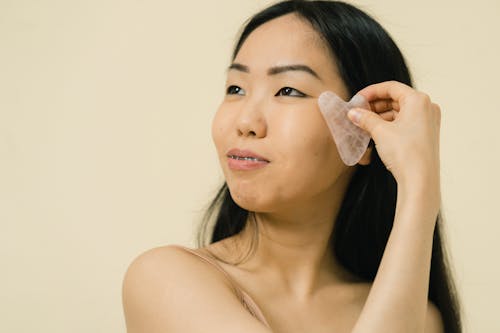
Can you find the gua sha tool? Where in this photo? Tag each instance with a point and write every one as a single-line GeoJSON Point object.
{"type": "Point", "coordinates": [352, 141]}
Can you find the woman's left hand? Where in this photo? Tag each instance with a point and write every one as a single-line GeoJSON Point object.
{"type": "Point", "coordinates": [405, 125]}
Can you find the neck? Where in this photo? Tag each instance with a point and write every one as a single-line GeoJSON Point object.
{"type": "Point", "coordinates": [293, 243]}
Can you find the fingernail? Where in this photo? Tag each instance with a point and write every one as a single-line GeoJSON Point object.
{"type": "Point", "coordinates": [354, 115]}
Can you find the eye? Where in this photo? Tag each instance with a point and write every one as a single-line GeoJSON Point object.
{"type": "Point", "coordinates": [287, 91]}
{"type": "Point", "coordinates": [231, 90]}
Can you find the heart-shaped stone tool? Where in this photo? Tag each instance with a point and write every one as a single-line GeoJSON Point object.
{"type": "Point", "coordinates": [352, 141]}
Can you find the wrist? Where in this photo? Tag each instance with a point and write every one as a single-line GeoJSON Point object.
{"type": "Point", "coordinates": [424, 197]}
{"type": "Point", "coordinates": [420, 182]}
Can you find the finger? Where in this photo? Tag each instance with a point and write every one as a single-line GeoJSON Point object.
{"type": "Point", "coordinates": [388, 115]}
{"type": "Point", "coordinates": [437, 111]}
{"type": "Point", "coordinates": [436, 107]}
{"type": "Point", "coordinates": [365, 119]}
{"type": "Point", "coordinates": [386, 90]}
{"type": "Point", "coordinates": [383, 105]}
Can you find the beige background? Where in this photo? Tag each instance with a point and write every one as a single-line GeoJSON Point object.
{"type": "Point", "coordinates": [105, 147]}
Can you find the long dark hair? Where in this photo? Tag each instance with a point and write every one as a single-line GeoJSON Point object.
{"type": "Point", "coordinates": [364, 54]}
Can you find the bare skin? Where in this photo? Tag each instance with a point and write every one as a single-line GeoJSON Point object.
{"type": "Point", "coordinates": [334, 306]}
{"type": "Point", "coordinates": [292, 275]}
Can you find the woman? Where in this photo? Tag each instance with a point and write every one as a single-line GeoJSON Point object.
{"type": "Point", "coordinates": [330, 247]}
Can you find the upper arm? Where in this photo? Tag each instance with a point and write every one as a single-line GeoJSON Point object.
{"type": "Point", "coordinates": [168, 290]}
{"type": "Point", "coordinates": [433, 321]}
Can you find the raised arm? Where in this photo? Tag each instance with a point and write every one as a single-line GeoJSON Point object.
{"type": "Point", "coordinates": [405, 127]}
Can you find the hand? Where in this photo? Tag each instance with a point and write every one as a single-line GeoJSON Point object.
{"type": "Point", "coordinates": [405, 126]}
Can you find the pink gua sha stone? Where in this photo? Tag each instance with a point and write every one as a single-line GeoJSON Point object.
{"type": "Point", "coordinates": [352, 141]}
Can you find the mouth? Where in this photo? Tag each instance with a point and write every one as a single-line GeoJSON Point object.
{"type": "Point", "coordinates": [247, 158]}
{"type": "Point", "coordinates": [245, 155]}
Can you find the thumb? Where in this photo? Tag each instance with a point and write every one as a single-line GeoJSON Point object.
{"type": "Point", "coordinates": [364, 119]}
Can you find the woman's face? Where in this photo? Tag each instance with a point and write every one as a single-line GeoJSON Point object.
{"type": "Point", "coordinates": [276, 115]}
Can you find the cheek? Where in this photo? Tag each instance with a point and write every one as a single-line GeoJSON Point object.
{"type": "Point", "coordinates": [222, 135]}
{"type": "Point", "coordinates": [308, 151]}
{"type": "Point", "coordinates": [220, 126]}
{"type": "Point", "coordinates": [306, 137]}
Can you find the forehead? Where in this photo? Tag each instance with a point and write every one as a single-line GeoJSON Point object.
{"type": "Point", "coordinates": [284, 40]}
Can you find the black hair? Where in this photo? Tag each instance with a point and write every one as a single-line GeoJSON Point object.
{"type": "Point", "coordinates": [364, 54]}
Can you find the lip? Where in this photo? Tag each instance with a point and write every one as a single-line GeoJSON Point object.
{"type": "Point", "coordinates": [245, 153]}
{"type": "Point", "coordinates": [236, 164]}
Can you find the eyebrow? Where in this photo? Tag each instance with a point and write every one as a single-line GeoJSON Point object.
{"type": "Point", "coordinates": [277, 69]}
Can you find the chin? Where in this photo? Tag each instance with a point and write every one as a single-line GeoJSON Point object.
{"type": "Point", "coordinates": [251, 201]}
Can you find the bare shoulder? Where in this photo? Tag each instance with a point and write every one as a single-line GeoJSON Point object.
{"type": "Point", "coordinates": [165, 288]}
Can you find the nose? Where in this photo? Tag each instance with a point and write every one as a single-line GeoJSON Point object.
{"type": "Point", "coordinates": [251, 121]}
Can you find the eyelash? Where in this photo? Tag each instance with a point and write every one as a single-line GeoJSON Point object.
{"type": "Point", "coordinates": [301, 94]}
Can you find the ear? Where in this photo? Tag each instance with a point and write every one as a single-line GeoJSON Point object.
{"type": "Point", "coordinates": [367, 157]}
